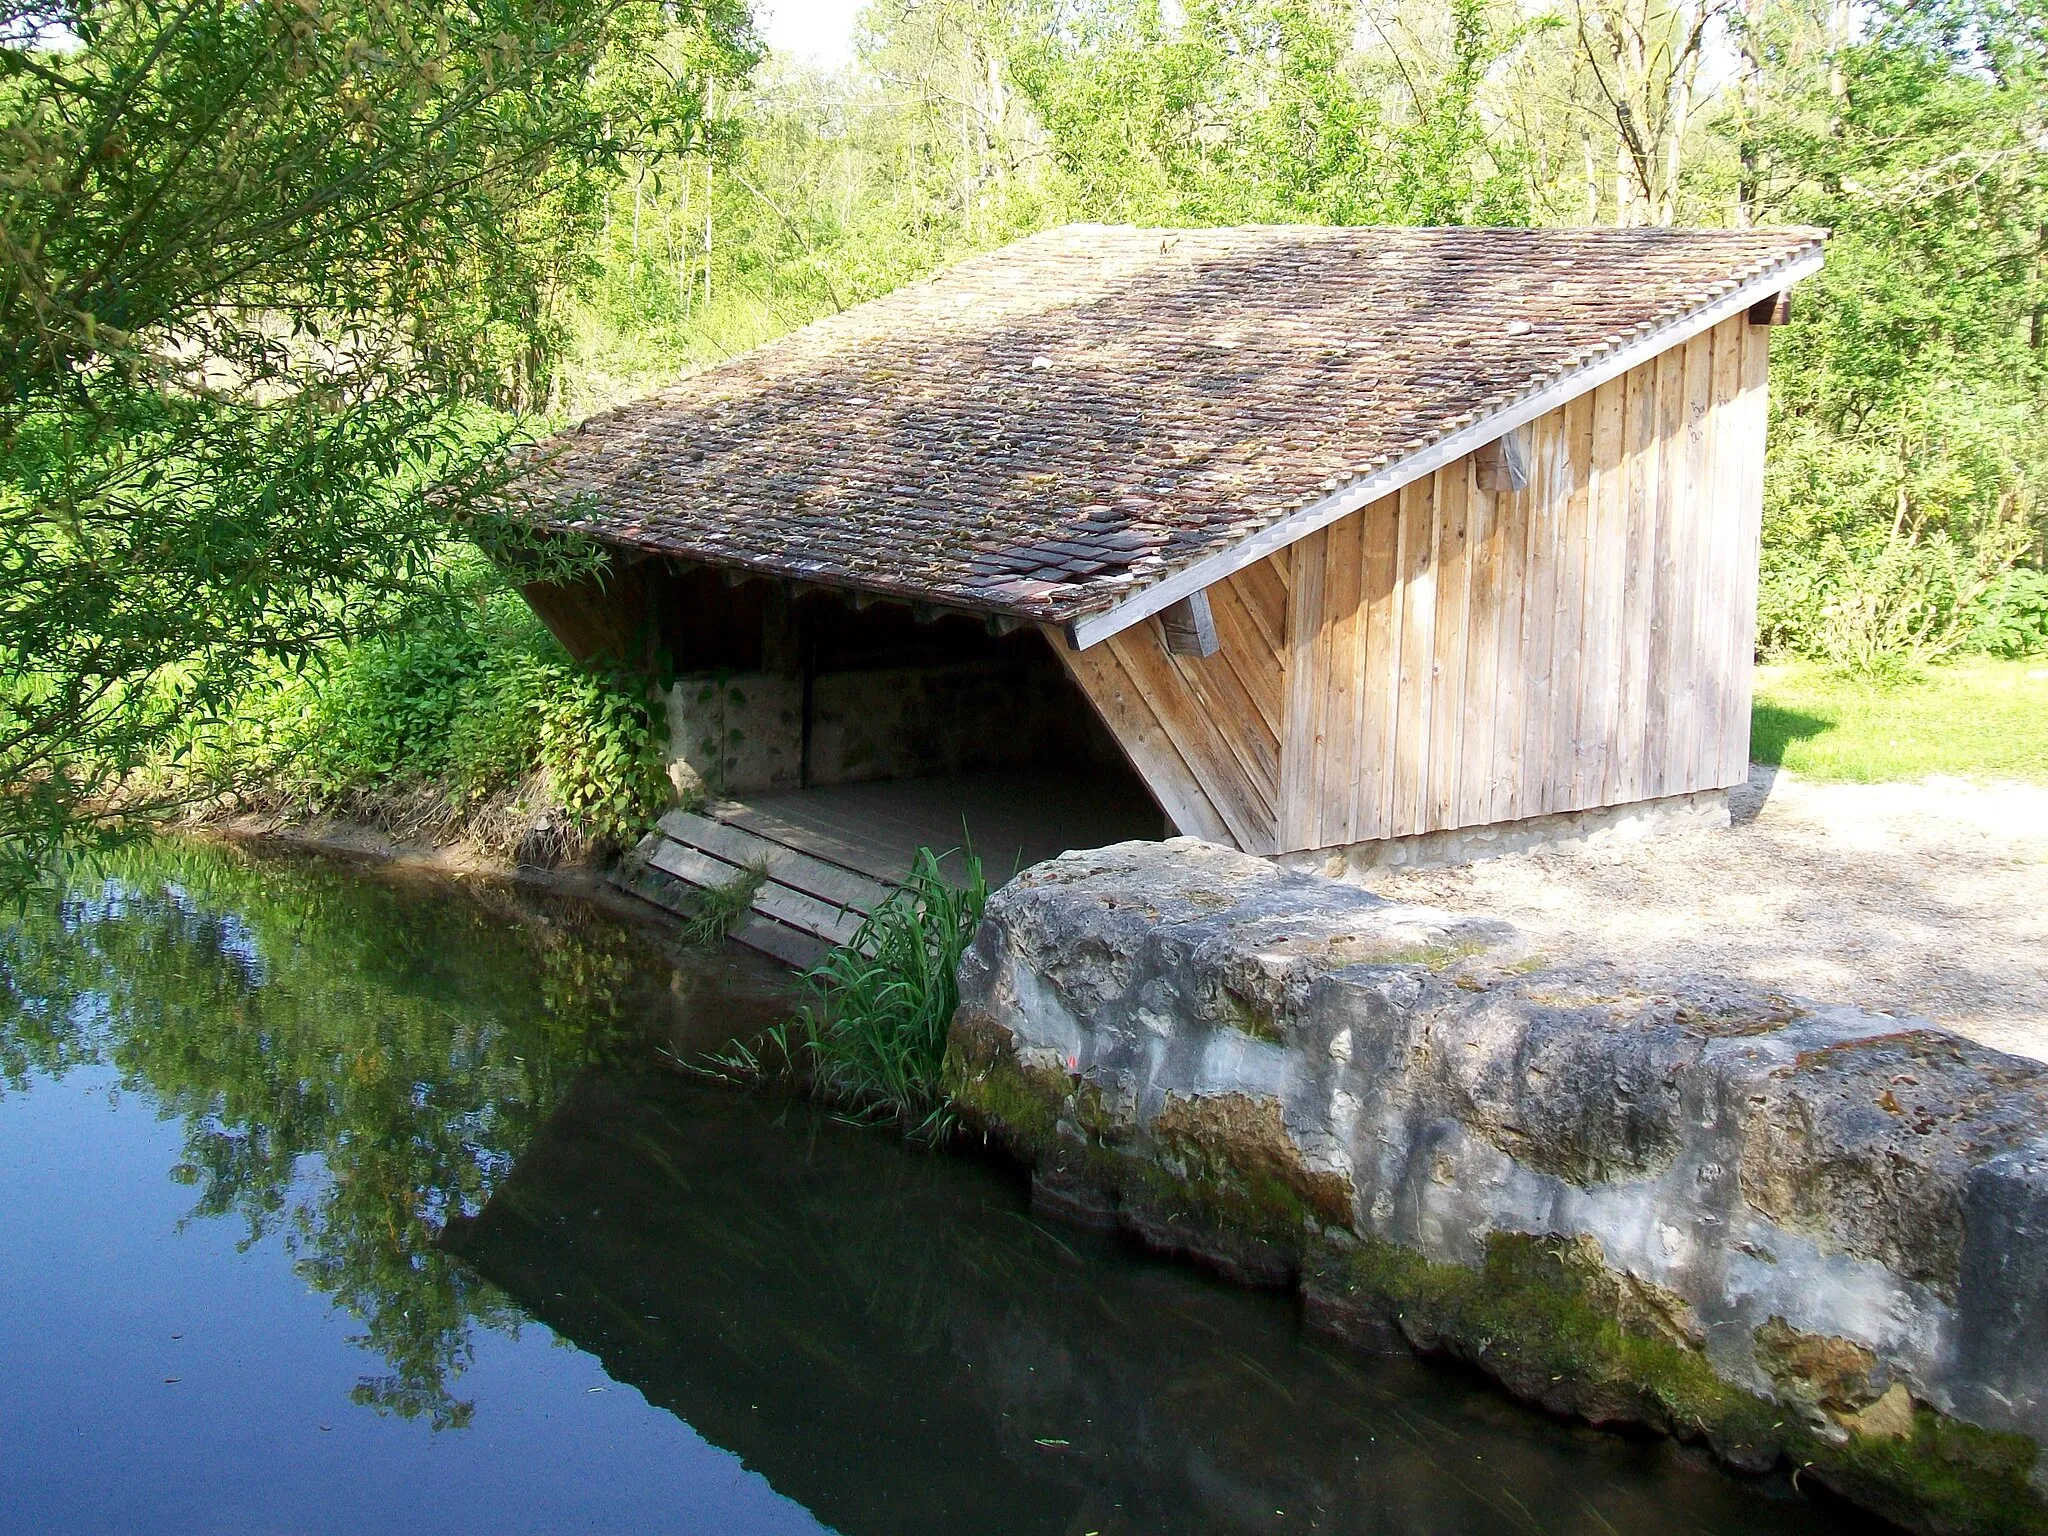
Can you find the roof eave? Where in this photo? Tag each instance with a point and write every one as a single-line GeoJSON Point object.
{"type": "Point", "coordinates": [881, 590]}
{"type": "Point", "coordinates": [1091, 629]}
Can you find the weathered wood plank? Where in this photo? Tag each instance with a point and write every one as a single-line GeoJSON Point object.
{"type": "Point", "coordinates": [828, 921]}
{"type": "Point", "coordinates": [1216, 693]}
{"type": "Point", "coordinates": [1123, 706]}
{"type": "Point", "coordinates": [1337, 741]}
{"type": "Point", "coordinates": [1712, 590]}
{"type": "Point", "coordinates": [1606, 543]}
{"type": "Point", "coordinates": [1305, 639]}
{"type": "Point", "coordinates": [1256, 662]}
{"type": "Point", "coordinates": [1661, 688]}
{"type": "Point", "coordinates": [1418, 529]}
{"type": "Point", "coordinates": [1380, 674]}
{"type": "Point", "coordinates": [1472, 794]}
{"type": "Point", "coordinates": [1638, 584]}
{"type": "Point", "coordinates": [799, 951]}
{"type": "Point", "coordinates": [1198, 737]}
{"type": "Point", "coordinates": [1454, 492]}
{"type": "Point", "coordinates": [1510, 542]}
{"type": "Point", "coordinates": [1548, 495]}
{"type": "Point", "coordinates": [802, 871]}
{"type": "Point", "coordinates": [1756, 409]}
{"type": "Point", "coordinates": [1693, 499]}
{"type": "Point", "coordinates": [1568, 657]}
{"type": "Point", "coordinates": [872, 857]}
{"type": "Point", "coordinates": [1262, 589]}
{"type": "Point", "coordinates": [1189, 626]}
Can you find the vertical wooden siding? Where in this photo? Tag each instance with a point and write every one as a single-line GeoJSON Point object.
{"type": "Point", "coordinates": [1203, 732]}
{"type": "Point", "coordinates": [1455, 657]}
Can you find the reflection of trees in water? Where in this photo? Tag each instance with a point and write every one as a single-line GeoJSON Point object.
{"type": "Point", "coordinates": [284, 1013]}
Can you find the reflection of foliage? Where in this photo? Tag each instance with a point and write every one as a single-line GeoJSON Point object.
{"type": "Point", "coordinates": [411, 1046]}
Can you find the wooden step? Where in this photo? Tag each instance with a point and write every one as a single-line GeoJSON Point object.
{"type": "Point", "coordinates": [788, 866]}
{"type": "Point", "coordinates": [809, 901]}
{"type": "Point", "coordinates": [837, 923]}
{"type": "Point", "coordinates": [841, 846]}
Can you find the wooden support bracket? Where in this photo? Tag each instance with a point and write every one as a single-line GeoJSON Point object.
{"type": "Point", "coordinates": [1503, 464]}
{"type": "Point", "coordinates": [1190, 627]}
{"type": "Point", "coordinates": [1776, 310]}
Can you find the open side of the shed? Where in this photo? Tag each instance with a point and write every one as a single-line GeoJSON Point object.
{"type": "Point", "coordinates": [1454, 660]}
{"type": "Point", "coordinates": [824, 736]}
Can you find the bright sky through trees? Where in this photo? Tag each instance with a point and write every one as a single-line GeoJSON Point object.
{"type": "Point", "coordinates": [817, 32]}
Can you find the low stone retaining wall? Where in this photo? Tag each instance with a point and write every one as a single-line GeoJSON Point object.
{"type": "Point", "coordinates": [1788, 1230]}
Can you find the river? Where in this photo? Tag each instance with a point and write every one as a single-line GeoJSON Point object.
{"type": "Point", "coordinates": [336, 1201]}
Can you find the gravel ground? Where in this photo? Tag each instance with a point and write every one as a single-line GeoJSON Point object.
{"type": "Point", "coordinates": [1926, 899]}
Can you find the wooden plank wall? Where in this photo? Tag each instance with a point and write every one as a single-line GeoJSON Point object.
{"type": "Point", "coordinates": [1459, 657]}
{"type": "Point", "coordinates": [1450, 657]}
{"type": "Point", "coordinates": [1203, 732]}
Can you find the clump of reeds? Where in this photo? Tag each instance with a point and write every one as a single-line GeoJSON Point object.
{"type": "Point", "coordinates": [871, 1040]}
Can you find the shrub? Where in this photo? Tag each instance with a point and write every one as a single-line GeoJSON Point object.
{"type": "Point", "coordinates": [1908, 605]}
{"type": "Point", "coordinates": [1889, 606]}
{"type": "Point", "coordinates": [465, 706]}
{"type": "Point", "coordinates": [2012, 618]}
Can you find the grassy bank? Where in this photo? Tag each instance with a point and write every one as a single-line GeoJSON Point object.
{"type": "Point", "coordinates": [465, 718]}
{"type": "Point", "coordinates": [1978, 719]}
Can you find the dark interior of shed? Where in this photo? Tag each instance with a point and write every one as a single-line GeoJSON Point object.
{"type": "Point", "coordinates": [910, 724]}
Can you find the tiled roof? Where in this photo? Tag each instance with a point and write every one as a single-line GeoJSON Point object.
{"type": "Point", "coordinates": [1047, 429]}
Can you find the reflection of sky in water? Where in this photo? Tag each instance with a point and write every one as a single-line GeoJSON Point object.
{"type": "Point", "coordinates": [108, 1292]}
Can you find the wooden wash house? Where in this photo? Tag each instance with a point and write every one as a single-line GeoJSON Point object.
{"type": "Point", "coordinates": [1334, 545]}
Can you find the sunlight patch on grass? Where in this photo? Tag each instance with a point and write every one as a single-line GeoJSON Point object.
{"type": "Point", "coordinates": [1976, 719]}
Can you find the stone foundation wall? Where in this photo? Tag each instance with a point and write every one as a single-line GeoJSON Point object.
{"type": "Point", "coordinates": [1703, 809]}
{"type": "Point", "coordinates": [1785, 1229]}
{"type": "Point", "coordinates": [742, 733]}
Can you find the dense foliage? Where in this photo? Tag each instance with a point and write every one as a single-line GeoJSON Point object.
{"type": "Point", "coordinates": [462, 715]}
{"type": "Point", "coordinates": [1908, 436]}
{"type": "Point", "coordinates": [260, 265]}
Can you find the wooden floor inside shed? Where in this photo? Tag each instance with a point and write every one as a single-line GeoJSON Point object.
{"type": "Point", "coordinates": [1009, 820]}
{"type": "Point", "coordinates": [830, 854]}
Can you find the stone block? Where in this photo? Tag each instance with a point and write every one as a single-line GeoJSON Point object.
{"type": "Point", "coordinates": [1783, 1228]}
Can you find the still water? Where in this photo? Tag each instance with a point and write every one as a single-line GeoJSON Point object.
{"type": "Point", "coordinates": [331, 1202]}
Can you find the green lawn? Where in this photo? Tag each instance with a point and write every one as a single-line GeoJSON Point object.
{"type": "Point", "coordinates": [1981, 719]}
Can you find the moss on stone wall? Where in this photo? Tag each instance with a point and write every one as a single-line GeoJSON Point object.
{"type": "Point", "coordinates": [1946, 1477]}
{"type": "Point", "coordinates": [1547, 1318]}
{"type": "Point", "coordinates": [1543, 1314]}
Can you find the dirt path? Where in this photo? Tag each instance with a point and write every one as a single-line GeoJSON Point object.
{"type": "Point", "coordinates": [1927, 899]}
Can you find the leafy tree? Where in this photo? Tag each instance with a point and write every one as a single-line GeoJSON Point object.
{"type": "Point", "coordinates": [1908, 438]}
{"type": "Point", "coordinates": [1237, 111]}
{"type": "Point", "coordinates": [258, 259]}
